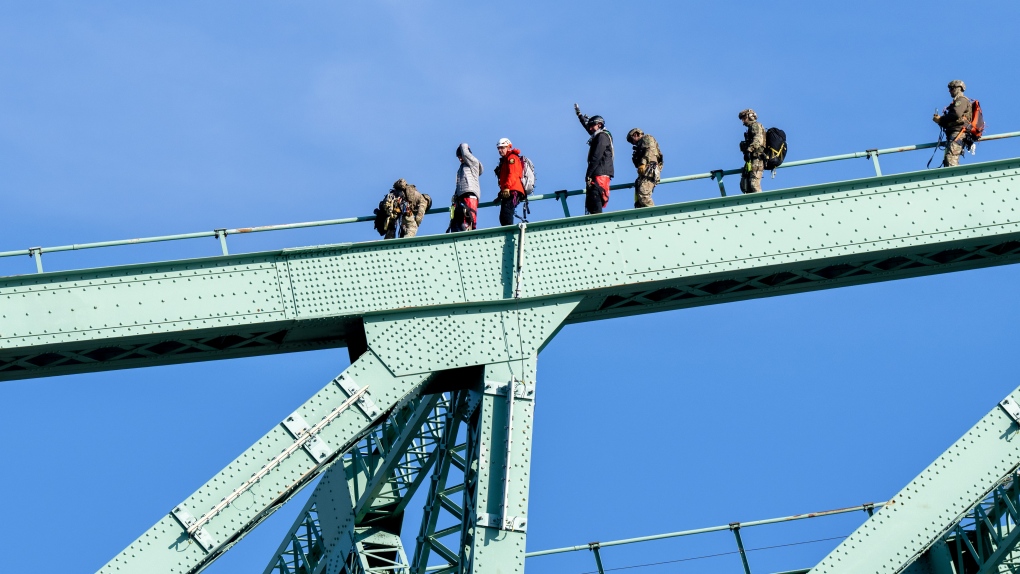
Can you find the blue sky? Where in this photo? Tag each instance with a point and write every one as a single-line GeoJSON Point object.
{"type": "Point", "coordinates": [124, 119]}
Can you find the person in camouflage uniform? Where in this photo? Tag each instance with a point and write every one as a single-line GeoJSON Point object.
{"type": "Point", "coordinates": [407, 206]}
{"type": "Point", "coordinates": [954, 118]}
{"type": "Point", "coordinates": [753, 147]}
{"type": "Point", "coordinates": [647, 160]}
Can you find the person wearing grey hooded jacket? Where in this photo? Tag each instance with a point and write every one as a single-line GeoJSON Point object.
{"type": "Point", "coordinates": [467, 192]}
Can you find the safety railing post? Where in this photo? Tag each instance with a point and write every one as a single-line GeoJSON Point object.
{"type": "Point", "coordinates": [735, 527]}
{"type": "Point", "coordinates": [562, 196]}
{"type": "Point", "coordinates": [221, 234]}
{"type": "Point", "coordinates": [873, 154]}
{"type": "Point", "coordinates": [36, 253]}
{"type": "Point", "coordinates": [870, 509]}
{"type": "Point", "coordinates": [717, 176]}
{"type": "Point", "coordinates": [594, 547]}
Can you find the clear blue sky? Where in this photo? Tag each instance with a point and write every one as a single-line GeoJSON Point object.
{"type": "Point", "coordinates": [126, 119]}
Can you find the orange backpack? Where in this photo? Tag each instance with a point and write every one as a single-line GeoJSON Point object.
{"type": "Point", "coordinates": [976, 128]}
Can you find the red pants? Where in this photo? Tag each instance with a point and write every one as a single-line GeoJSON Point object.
{"type": "Point", "coordinates": [465, 214]}
{"type": "Point", "coordinates": [597, 194]}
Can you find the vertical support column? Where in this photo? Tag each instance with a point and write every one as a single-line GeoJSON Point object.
{"type": "Point", "coordinates": [562, 196]}
{"type": "Point", "coordinates": [735, 527]}
{"type": "Point", "coordinates": [594, 547]}
{"type": "Point", "coordinates": [717, 176]}
{"type": "Point", "coordinates": [873, 154]}
{"type": "Point", "coordinates": [221, 234]}
{"type": "Point", "coordinates": [499, 471]}
{"type": "Point", "coordinates": [36, 253]}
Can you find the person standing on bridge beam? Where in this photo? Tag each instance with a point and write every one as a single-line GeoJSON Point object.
{"type": "Point", "coordinates": [647, 160]}
{"type": "Point", "coordinates": [508, 173]}
{"type": "Point", "coordinates": [753, 146]}
{"type": "Point", "coordinates": [467, 191]}
{"type": "Point", "coordinates": [409, 205]}
{"type": "Point", "coordinates": [953, 120]}
{"type": "Point", "coordinates": [600, 162]}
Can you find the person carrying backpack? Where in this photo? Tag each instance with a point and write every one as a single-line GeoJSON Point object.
{"type": "Point", "coordinates": [753, 147]}
{"type": "Point", "coordinates": [647, 160]}
{"type": "Point", "coordinates": [954, 120]}
{"type": "Point", "coordinates": [600, 162]}
{"type": "Point", "coordinates": [467, 191]}
{"type": "Point", "coordinates": [508, 174]}
{"type": "Point", "coordinates": [403, 208]}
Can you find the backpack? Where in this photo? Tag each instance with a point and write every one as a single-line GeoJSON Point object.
{"type": "Point", "coordinates": [428, 201]}
{"type": "Point", "coordinates": [775, 148]}
{"type": "Point", "coordinates": [976, 128]}
{"type": "Point", "coordinates": [527, 175]}
{"type": "Point", "coordinates": [382, 217]}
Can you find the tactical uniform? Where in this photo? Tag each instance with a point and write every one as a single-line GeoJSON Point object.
{"type": "Point", "coordinates": [600, 165]}
{"type": "Point", "coordinates": [753, 147]}
{"type": "Point", "coordinates": [408, 206]}
{"type": "Point", "coordinates": [953, 120]}
{"type": "Point", "coordinates": [648, 161]}
{"type": "Point", "coordinates": [391, 207]}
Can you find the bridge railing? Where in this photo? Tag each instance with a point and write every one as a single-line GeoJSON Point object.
{"type": "Point", "coordinates": [734, 527]}
{"type": "Point", "coordinates": [221, 234]}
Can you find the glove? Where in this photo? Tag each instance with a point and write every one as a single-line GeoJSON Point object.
{"type": "Point", "coordinates": [577, 109]}
{"type": "Point", "coordinates": [935, 118]}
{"type": "Point", "coordinates": [743, 147]}
{"type": "Point", "coordinates": [504, 194]}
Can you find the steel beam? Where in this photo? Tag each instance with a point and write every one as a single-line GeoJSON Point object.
{"type": "Point", "coordinates": [443, 517]}
{"type": "Point", "coordinates": [306, 548]}
{"type": "Point", "coordinates": [619, 263]}
{"type": "Point", "coordinates": [934, 504]}
{"type": "Point", "coordinates": [495, 524]}
{"type": "Point", "coordinates": [403, 352]}
{"type": "Point", "coordinates": [210, 521]}
{"type": "Point", "coordinates": [324, 530]}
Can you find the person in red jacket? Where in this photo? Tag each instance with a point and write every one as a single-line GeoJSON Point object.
{"type": "Point", "coordinates": [508, 172]}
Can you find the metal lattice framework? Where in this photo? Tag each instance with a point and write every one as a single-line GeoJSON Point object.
{"type": "Point", "coordinates": [444, 334]}
{"type": "Point", "coordinates": [985, 539]}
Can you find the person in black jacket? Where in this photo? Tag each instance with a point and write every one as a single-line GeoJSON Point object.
{"type": "Point", "coordinates": [600, 162]}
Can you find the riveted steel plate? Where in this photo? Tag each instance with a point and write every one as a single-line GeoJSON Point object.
{"type": "Point", "coordinates": [619, 263]}
{"type": "Point", "coordinates": [408, 343]}
{"type": "Point", "coordinates": [929, 505]}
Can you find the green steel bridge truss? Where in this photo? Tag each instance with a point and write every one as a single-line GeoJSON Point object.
{"type": "Point", "coordinates": [444, 334]}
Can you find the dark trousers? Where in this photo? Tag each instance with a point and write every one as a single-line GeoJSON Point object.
{"type": "Point", "coordinates": [465, 214]}
{"type": "Point", "coordinates": [507, 207]}
{"type": "Point", "coordinates": [596, 194]}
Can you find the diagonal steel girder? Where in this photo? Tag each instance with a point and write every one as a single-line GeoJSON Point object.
{"type": "Point", "coordinates": [622, 263]}
{"type": "Point", "coordinates": [390, 372]}
{"type": "Point", "coordinates": [983, 540]}
{"type": "Point", "coordinates": [405, 459]}
{"type": "Point", "coordinates": [968, 492]}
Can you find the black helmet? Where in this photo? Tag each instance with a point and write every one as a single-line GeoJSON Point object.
{"type": "Point", "coordinates": [595, 120]}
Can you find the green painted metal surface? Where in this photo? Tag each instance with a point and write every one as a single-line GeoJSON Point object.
{"type": "Point", "coordinates": [405, 303]}
{"type": "Point", "coordinates": [495, 523]}
{"type": "Point", "coordinates": [622, 263]}
{"type": "Point", "coordinates": [171, 545]}
{"type": "Point", "coordinates": [286, 459]}
{"type": "Point", "coordinates": [933, 504]}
